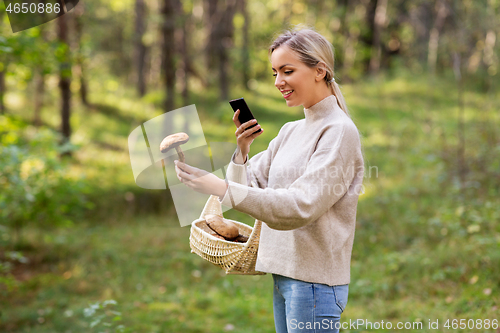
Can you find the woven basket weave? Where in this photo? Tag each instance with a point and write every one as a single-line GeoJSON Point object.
{"type": "Point", "coordinates": [233, 257]}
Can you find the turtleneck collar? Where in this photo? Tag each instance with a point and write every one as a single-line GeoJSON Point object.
{"type": "Point", "coordinates": [321, 109]}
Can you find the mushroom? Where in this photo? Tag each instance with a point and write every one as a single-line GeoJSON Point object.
{"type": "Point", "coordinates": [223, 227]}
{"type": "Point", "coordinates": [174, 141]}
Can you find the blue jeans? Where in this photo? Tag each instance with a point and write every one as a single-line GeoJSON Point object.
{"type": "Point", "coordinates": [307, 307]}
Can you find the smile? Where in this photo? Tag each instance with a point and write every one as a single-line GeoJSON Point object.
{"type": "Point", "coordinates": [287, 93]}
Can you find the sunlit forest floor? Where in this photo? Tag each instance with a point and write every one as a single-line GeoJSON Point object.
{"type": "Point", "coordinates": [427, 246]}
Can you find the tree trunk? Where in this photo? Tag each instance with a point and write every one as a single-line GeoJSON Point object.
{"type": "Point", "coordinates": [83, 87]}
{"type": "Point", "coordinates": [39, 92]}
{"type": "Point", "coordinates": [213, 39]}
{"type": "Point", "coordinates": [140, 48]}
{"type": "Point", "coordinates": [352, 36]}
{"type": "Point", "coordinates": [226, 27]}
{"type": "Point", "coordinates": [2, 88]}
{"type": "Point", "coordinates": [441, 14]}
{"type": "Point", "coordinates": [378, 25]}
{"type": "Point", "coordinates": [344, 4]}
{"type": "Point", "coordinates": [245, 48]}
{"type": "Point", "coordinates": [220, 26]}
{"type": "Point", "coordinates": [3, 68]}
{"type": "Point", "coordinates": [367, 34]}
{"type": "Point", "coordinates": [421, 20]}
{"type": "Point", "coordinates": [168, 64]}
{"type": "Point", "coordinates": [80, 58]}
{"type": "Point", "coordinates": [65, 79]}
{"type": "Point", "coordinates": [222, 62]}
{"type": "Point", "coordinates": [187, 28]}
{"type": "Point", "coordinates": [154, 54]}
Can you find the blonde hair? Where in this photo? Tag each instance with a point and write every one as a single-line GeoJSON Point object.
{"type": "Point", "coordinates": [312, 48]}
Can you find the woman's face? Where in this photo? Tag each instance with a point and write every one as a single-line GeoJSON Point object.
{"type": "Point", "coordinates": [297, 82]}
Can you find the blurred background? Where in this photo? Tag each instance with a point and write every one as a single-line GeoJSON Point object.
{"type": "Point", "coordinates": [84, 249]}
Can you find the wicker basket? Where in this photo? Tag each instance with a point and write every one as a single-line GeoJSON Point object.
{"type": "Point", "coordinates": [233, 257]}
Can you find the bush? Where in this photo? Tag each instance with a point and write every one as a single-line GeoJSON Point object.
{"type": "Point", "coordinates": [37, 186]}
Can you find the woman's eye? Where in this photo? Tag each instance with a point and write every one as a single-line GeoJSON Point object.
{"type": "Point", "coordinates": [287, 72]}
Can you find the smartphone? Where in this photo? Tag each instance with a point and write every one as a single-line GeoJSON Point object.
{"type": "Point", "coordinates": [245, 113]}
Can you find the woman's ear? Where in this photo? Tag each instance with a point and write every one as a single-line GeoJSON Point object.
{"type": "Point", "coordinates": [320, 71]}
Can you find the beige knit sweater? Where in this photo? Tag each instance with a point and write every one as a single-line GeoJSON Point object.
{"type": "Point", "coordinates": [309, 180]}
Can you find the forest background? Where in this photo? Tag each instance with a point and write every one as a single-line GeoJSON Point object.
{"type": "Point", "coordinates": [84, 249]}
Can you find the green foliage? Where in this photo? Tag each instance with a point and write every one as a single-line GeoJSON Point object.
{"type": "Point", "coordinates": [6, 263]}
{"type": "Point", "coordinates": [26, 52]}
{"type": "Point", "coordinates": [37, 187]}
{"type": "Point", "coordinates": [6, 279]}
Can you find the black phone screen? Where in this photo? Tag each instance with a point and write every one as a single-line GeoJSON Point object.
{"type": "Point", "coordinates": [245, 113]}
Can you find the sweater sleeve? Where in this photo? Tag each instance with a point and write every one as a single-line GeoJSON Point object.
{"type": "Point", "coordinates": [257, 169]}
{"type": "Point", "coordinates": [254, 170]}
{"type": "Point", "coordinates": [328, 175]}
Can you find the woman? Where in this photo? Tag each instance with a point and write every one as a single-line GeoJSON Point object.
{"type": "Point", "coordinates": [309, 180]}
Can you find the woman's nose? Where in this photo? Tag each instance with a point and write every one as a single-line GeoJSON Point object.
{"type": "Point", "coordinates": [278, 81]}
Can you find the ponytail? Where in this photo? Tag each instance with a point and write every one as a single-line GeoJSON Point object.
{"type": "Point", "coordinates": [335, 89]}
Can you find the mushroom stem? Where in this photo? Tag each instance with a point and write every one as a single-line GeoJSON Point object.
{"type": "Point", "coordinates": [180, 153]}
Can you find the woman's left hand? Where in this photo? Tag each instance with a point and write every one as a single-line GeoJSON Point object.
{"type": "Point", "coordinates": [200, 180]}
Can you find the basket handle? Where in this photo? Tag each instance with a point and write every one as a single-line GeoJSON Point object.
{"type": "Point", "coordinates": [213, 205]}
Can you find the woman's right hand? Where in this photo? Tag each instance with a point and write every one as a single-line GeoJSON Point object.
{"type": "Point", "coordinates": [245, 136]}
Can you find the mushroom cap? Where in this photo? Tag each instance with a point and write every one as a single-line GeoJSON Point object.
{"type": "Point", "coordinates": [213, 218]}
{"type": "Point", "coordinates": [173, 140]}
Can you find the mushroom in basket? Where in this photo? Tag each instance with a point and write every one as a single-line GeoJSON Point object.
{"type": "Point", "coordinates": [225, 228]}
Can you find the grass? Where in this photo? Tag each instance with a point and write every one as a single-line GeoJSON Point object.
{"type": "Point", "coordinates": [158, 286]}
{"type": "Point", "coordinates": [426, 246]}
